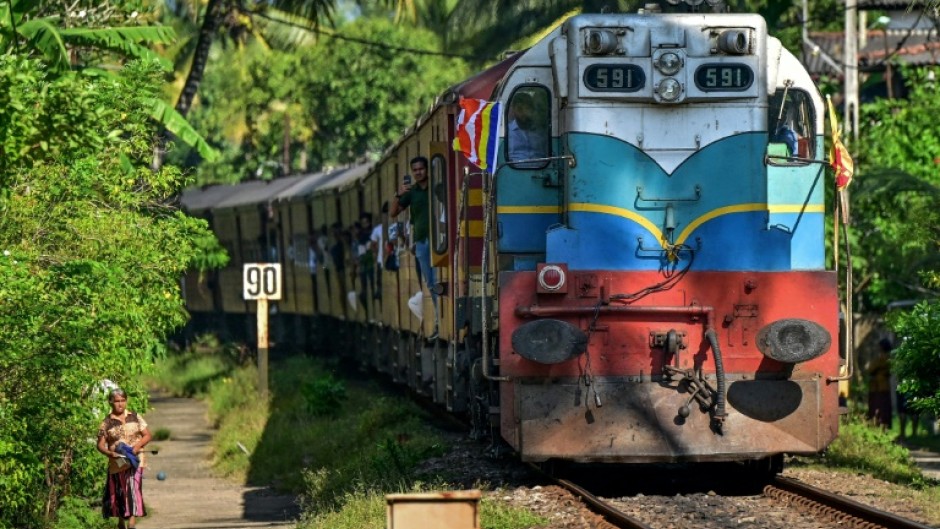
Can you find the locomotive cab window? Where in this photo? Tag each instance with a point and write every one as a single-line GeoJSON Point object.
{"type": "Point", "coordinates": [791, 126]}
{"type": "Point", "coordinates": [439, 204]}
{"type": "Point", "coordinates": [528, 130]}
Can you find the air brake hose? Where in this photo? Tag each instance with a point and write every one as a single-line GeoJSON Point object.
{"type": "Point", "coordinates": [720, 414]}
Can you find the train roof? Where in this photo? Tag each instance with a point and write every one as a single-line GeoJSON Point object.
{"type": "Point", "coordinates": [308, 184]}
{"type": "Point", "coordinates": [198, 199]}
{"type": "Point", "coordinates": [483, 85]}
{"type": "Point", "coordinates": [258, 194]}
{"type": "Point", "coordinates": [351, 174]}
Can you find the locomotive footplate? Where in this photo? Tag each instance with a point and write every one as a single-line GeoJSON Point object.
{"type": "Point", "coordinates": [639, 421]}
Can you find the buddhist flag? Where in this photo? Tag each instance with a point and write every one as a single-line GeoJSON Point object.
{"type": "Point", "coordinates": [478, 132]}
{"type": "Point", "coordinates": [839, 157]}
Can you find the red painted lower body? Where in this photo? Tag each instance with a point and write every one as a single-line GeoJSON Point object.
{"type": "Point", "coordinates": [613, 403]}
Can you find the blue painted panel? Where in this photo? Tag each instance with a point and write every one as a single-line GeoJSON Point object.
{"type": "Point", "coordinates": [609, 170]}
{"type": "Point", "coordinates": [808, 251]}
{"type": "Point", "coordinates": [737, 241]}
{"type": "Point", "coordinates": [522, 188]}
{"type": "Point", "coordinates": [524, 232]}
{"type": "Point", "coordinates": [727, 223]}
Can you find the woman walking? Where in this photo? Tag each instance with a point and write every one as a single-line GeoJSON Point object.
{"type": "Point", "coordinates": [122, 437]}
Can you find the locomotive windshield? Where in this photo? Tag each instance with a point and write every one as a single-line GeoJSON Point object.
{"type": "Point", "coordinates": [791, 124]}
{"type": "Point", "coordinates": [527, 127]}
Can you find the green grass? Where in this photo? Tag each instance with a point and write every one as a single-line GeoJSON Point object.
{"type": "Point", "coordinates": [861, 446]}
{"type": "Point", "coordinates": [75, 513]}
{"type": "Point", "coordinates": [161, 434]}
{"type": "Point", "coordinates": [867, 449]}
{"type": "Point", "coordinates": [189, 373]}
{"type": "Point", "coordinates": [339, 443]}
{"type": "Point", "coordinates": [294, 430]}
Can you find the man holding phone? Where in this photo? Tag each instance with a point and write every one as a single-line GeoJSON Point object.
{"type": "Point", "coordinates": [416, 197]}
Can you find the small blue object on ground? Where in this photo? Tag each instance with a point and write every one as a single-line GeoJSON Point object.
{"type": "Point", "coordinates": [161, 475]}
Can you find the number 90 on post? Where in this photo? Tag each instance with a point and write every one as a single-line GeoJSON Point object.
{"type": "Point", "coordinates": [261, 281]}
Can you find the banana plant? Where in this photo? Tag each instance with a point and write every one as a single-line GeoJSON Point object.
{"type": "Point", "coordinates": [23, 30]}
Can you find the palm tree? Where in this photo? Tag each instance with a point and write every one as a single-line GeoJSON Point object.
{"type": "Point", "coordinates": [217, 12]}
{"type": "Point", "coordinates": [486, 28]}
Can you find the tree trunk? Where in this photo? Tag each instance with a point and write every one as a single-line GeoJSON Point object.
{"type": "Point", "coordinates": [215, 11]}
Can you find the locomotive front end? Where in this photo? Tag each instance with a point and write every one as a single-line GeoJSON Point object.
{"type": "Point", "coordinates": [677, 307]}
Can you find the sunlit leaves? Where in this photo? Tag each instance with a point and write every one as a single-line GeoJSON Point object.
{"type": "Point", "coordinates": [916, 362]}
{"type": "Point", "coordinates": [90, 259]}
{"type": "Point", "coordinates": [896, 196]}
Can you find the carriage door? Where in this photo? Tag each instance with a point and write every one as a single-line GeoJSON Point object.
{"type": "Point", "coordinates": [440, 199]}
{"type": "Point", "coordinates": [529, 196]}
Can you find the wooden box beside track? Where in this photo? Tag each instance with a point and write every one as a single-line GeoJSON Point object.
{"type": "Point", "coordinates": [434, 510]}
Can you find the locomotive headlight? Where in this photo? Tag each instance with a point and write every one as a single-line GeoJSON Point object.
{"type": "Point", "coordinates": [600, 42]}
{"type": "Point", "coordinates": [734, 41]}
{"type": "Point", "coordinates": [669, 89]}
{"type": "Point", "coordinates": [793, 340]}
{"type": "Point", "coordinates": [669, 63]}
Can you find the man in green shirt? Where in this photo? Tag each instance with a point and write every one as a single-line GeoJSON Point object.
{"type": "Point", "coordinates": [415, 196]}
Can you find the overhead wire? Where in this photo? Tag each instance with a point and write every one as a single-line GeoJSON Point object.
{"type": "Point", "coordinates": [365, 42]}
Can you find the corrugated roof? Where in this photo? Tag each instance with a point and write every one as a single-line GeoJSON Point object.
{"type": "Point", "coordinates": [824, 53]}
{"type": "Point", "coordinates": [916, 49]}
{"type": "Point", "coordinates": [891, 4]}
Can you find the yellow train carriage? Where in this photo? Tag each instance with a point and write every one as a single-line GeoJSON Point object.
{"type": "Point", "coordinates": [198, 287]}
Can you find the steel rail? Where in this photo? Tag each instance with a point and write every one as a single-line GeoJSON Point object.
{"type": "Point", "coordinates": [610, 514]}
{"type": "Point", "coordinates": [868, 516]}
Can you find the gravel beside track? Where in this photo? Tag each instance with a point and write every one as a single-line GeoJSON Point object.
{"type": "Point", "coordinates": [468, 464]}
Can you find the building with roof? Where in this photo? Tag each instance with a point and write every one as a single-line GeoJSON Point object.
{"type": "Point", "coordinates": [891, 32]}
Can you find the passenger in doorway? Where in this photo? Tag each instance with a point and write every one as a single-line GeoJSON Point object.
{"type": "Point", "coordinates": [415, 196]}
{"type": "Point", "coordinates": [377, 242]}
{"type": "Point", "coordinates": [365, 258]}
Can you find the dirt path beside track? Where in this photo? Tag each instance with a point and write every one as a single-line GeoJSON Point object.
{"type": "Point", "coordinates": [191, 497]}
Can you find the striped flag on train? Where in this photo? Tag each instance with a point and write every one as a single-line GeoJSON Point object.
{"type": "Point", "coordinates": [478, 132]}
{"type": "Point", "coordinates": [839, 158]}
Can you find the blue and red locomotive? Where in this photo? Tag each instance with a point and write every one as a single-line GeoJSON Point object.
{"type": "Point", "coordinates": [642, 278]}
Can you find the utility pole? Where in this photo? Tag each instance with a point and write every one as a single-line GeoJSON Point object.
{"type": "Point", "coordinates": [850, 67]}
{"type": "Point", "coordinates": [805, 34]}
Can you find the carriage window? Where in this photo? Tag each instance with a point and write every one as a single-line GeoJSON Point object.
{"type": "Point", "coordinates": [791, 125]}
{"type": "Point", "coordinates": [439, 203]}
{"type": "Point", "coordinates": [527, 131]}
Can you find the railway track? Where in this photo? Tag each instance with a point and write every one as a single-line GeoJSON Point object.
{"type": "Point", "coordinates": [790, 497]}
{"type": "Point", "coordinates": [846, 512]}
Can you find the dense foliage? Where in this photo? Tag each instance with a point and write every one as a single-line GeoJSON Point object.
{"type": "Point", "coordinates": [896, 197]}
{"type": "Point", "coordinates": [916, 361]}
{"type": "Point", "coordinates": [273, 113]}
{"type": "Point", "coordinates": [90, 255]}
